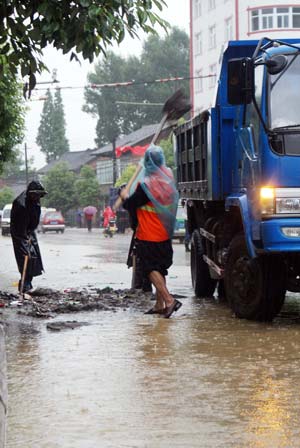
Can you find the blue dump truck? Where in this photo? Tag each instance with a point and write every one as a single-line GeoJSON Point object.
{"type": "Point", "coordinates": [238, 164]}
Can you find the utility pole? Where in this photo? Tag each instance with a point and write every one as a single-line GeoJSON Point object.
{"type": "Point", "coordinates": [26, 163]}
{"type": "Point", "coordinates": [114, 161]}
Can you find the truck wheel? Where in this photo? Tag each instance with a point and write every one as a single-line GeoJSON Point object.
{"type": "Point", "coordinates": [203, 284]}
{"type": "Point", "coordinates": [255, 288]}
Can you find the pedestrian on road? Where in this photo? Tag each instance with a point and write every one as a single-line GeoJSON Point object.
{"type": "Point", "coordinates": [108, 214]}
{"type": "Point", "coordinates": [89, 220]}
{"type": "Point", "coordinates": [79, 214]}
{"type": "Point", "coordinates": [154, 204]}
{"type": "Point", "coordinates": [24, 219]}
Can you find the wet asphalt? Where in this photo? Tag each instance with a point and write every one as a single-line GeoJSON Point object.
{"type": "Point", "coordinates": [124, 379]}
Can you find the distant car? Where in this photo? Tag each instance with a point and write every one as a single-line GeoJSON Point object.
{"type": "Point", "coordinates": [53, 222]}
{"type": "Point", "coordinates": [43, 211]}
{"type": "Point", "coordinates": [179, 232]}
{"type": "Point", "coordinates": [5, 219]}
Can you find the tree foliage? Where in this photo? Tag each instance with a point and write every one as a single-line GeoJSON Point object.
{"type": "Point", "coordinates": [12, 112]}
{"type": "Point", "coordinates": [6, 196]}
{"type": "Point", "coordinates": [167, 146]}
{"type": "Point", "coordinates": [126, 175]}
{"type": "Point", "coordinates": [15, 166]}
{"type": "Point", "coordinates": [51, 136]}
{"type": "Point", "coordinates": [87, 188]}
{"type": "Point", "coordinates": [161, 58]}
{"type": "Point", "coordinates": [59, 183]}
{"type": "Point", "coordinates": [84, 26]}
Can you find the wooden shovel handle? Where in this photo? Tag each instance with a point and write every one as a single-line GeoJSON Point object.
{"type": "Point", "coordinates": [127, 188]}
{"type": "Point", "coordinates": [24, 273]}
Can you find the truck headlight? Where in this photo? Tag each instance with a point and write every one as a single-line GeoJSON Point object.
{"type": "Point", "coordinates": [280, 201]}
{"type": "Point", "coordinates": [288, 205]}
{"type": "Point", "coordinates": [267, 202]}
{"type": "Point", "coordinates": [292, 232]}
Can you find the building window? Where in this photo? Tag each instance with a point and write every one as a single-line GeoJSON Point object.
{"type": "Point", "coordinates": [212, 37]}
{"type": "Point", "coordinates": [198, 8]}
{"type": "Point", "coordinates": [211, 4]}
{"type": "Point", "coordinates": [228, 29]}
{"type": "Point", "coordinates": [282, 17]}
{"type": "Point", "coordinates": [199, 81]}
{"type": "Point", "coordinates": [296, 17]}
{"type": "Point", "coordinates": [198, 43]}
{"type": "Point", "coordinates": [255, 20]}
{"type": "Point", "coordinates": [104, 170]}
{"type": "Point", "coordinates": [275, 18]}
{"type": "Point", "coordinates": [212, 79]}
{"type": "Point", "coordinates": [267, 18]}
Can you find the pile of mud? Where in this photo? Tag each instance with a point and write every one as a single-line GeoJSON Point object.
{"type": "Point", "coordinates": [46, 303]}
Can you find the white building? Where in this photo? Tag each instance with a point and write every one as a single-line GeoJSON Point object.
{"type": "Point", "coordinates": [214, 22]}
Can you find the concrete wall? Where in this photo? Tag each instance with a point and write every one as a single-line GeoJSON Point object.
{"type": "Point", "coordinates": [3, 389]}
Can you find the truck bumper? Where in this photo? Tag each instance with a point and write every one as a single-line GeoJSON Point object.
{"type": "Point", "coordinates": [278, 235]}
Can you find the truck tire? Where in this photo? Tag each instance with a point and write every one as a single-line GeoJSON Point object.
{"type": "Point", "coordinates": [203, 284]}
{"type": "Point", "coordinates": [255, 287]}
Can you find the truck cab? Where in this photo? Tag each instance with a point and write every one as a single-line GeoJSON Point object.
{"type": "Point", "coordinates": [239, 164]}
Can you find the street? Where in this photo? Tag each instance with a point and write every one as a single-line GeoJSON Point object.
{"type": "Point", "coordinates": [200, 379]}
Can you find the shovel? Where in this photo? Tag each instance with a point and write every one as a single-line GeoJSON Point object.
{"type": "Point", "coordinates": [23, 276]}
{"type": "Point", "coordinates": [174, 108]}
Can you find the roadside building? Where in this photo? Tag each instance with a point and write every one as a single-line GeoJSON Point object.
{"type": "Point", "coordinates": [214, 22]}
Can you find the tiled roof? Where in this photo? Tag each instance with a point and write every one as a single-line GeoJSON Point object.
{"type": "Point", "coordinates": [74, 159]}
{"type": "Point", "coordinates": [134, 138]}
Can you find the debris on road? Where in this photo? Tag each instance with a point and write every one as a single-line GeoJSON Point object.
{"type": "Point", "coordinates": [69, 324]}
{"type": "Point", "coordinates": [46, 303]}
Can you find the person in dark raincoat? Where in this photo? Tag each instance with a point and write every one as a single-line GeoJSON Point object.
{"type": "Point", "coordinates": [25, 217]}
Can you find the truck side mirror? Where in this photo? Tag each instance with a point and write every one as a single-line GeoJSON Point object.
{"type": "Point", "coordinates": [240, 83]}
{"type": "Point", "coordinates": [276, 64]}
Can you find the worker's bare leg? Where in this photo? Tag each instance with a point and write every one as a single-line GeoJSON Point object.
{"type": "Point", "coordinates": [163, 297]}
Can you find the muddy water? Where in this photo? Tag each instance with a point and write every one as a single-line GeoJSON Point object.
{"type": "Point", "coordinates": [200, 379]}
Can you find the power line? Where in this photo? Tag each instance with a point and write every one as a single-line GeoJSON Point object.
{"type": "Point", "coordinates": [139, 104]}
{"type": "Point", "coordinates": [129, 83]}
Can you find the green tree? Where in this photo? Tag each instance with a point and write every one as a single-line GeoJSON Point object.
{"type": "Point", "coordinates": [126, 175]}
{"type": "Point", "coordinates": [16, 165]}
{"type": "Point", "coordinates": [6, 196]}
{"type": "Point", "coordinates": [87, 188]}
{"type": "Point", "coordinates": [167, 146]}
{"type": "Point", "coordinates": [84, 26]}
{"type": "Point", "coordinates": [161, 58]}
{"type": "Point", "coordinates": [59, 183]}
{"type": "Point", "coordinates": [51, 136]}
{"type": "Point", "coordinates": [60, 142]}
{"type": "Point", "coordinates": [12, 112]}
{"type": "Point", "coordinates": [44, 135]}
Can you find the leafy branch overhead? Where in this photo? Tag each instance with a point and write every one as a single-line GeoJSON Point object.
{"type": "Point", "coordinates": [86, 27]}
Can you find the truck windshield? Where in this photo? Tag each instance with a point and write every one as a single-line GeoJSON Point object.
{"type": "Point", "coordinates": [285, 96]}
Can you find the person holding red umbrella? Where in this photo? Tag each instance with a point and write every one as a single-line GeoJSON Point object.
{"type": "Point", "coordinates": [89, 213]}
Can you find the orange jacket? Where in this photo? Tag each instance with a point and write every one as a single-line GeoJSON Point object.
{"type": "Point", "coordinates": [150, 228]}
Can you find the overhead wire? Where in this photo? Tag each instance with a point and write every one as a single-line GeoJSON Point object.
{"type": "Point", "coordinates": [127, 83]}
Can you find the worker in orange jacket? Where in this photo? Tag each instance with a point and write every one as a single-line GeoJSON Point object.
{"type": "Point", "coordinates": [153, 204]}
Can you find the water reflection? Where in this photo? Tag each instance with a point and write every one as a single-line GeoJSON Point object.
{"type": "Point", "coordinates": [270, 419]}
{"type": "Point", "coordinates": [202, 378]}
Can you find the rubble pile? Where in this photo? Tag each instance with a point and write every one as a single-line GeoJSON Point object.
{"type": "Point", "coordinates": [47, 303]}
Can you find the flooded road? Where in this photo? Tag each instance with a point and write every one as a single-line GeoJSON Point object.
{"type": "Point", "coordinates": [199, 379]}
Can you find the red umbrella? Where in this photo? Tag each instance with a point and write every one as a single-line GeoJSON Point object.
{"type": "Point", "coordinates": [90, 210]}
